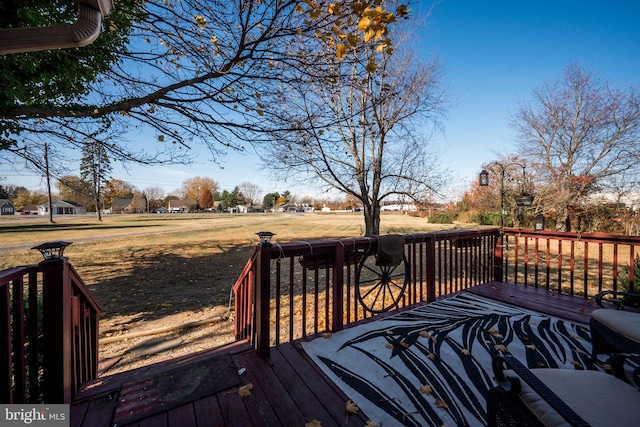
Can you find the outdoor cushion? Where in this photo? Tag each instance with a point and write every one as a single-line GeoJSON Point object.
{"type": "Point", "coordinates": [625, 323]}
{"type": "Point", "coordinates": [593, 395]}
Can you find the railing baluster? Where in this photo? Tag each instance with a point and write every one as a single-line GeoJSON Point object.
{"type": "Point", "coordinates": [615, 267]}
{"type": "Point", "coordinates": [559, 266]}
{"type": "Point", "coordinates": [6, 380]}
{"type": "Point", "coordinates": [292, 295]}
{"type": "Point", "coordinates": [586, 267]}
{"type": "Point", "coordinates": [600, 276]}
{"type": "Point", "coordinates": [277, 325]}
{"type": "Point", "coordinates": [632, 268]}
{"type": "Point", "coordinates": [19, 395]}
{"type": "Point", "coordinates": [572, 265]}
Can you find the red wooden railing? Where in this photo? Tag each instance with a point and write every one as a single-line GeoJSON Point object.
{"type": "Point", "coordinates": [49, 330]}
{"type": "Point", "coordinates": [570, 263]}
{"type": "Point", "coordinates": [291, 290]}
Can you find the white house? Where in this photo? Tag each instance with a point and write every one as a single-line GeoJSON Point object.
{"type": "Point", "coordinates": [61, 207]}
{"type": "Point", "coordinates": [180, 206]}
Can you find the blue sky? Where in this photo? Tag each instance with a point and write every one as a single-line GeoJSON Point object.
{"type": "Point", "coordinates": [494, 53]}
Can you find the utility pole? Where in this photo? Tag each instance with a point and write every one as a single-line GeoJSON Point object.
{"type": "Point", "coordinates": [46, 172]}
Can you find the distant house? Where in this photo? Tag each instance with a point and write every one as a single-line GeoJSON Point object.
{"type": "Point", "coordinates": [180, 206]}
{"type": "Point", "coordinates": [62, 207]}
{"type": "Point", "coordinates": [286, 207]}
{"type": "Point", "coordinates": [6, 207]}
{"type": "Point", "coordinates": [248, 209]}
{"type": "Point", "coordinates": [31, 208]}
{"type": "Point", "coordinates": [119, 206]}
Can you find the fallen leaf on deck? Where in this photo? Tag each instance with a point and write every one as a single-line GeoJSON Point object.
{"type": "Point", "coordinates": [404, 344]}
{"type": "Point", "coordinates": [245, 390]}
{"type": "Point", "coordinates": [442, 404]}
{"type": "Point", "coordinates": [313, 423]}
{"type": "Point", "coordinates": [531, 347]}
{"type": "Point", "coordinates": [351, 407]}
{"type": "Point", "coordinates": [390, 332]}
{"type": "Point", "coordinates": [431, 356]}
{"type": "Point", "coordinates": [424, 334]}
{"type": "Point", "coordinates": [433, 339]}
{"type": "Point", "coordinates": [425, 389]}
{"type": "Point", "coordinates": [327, 335]}
{"type": "Point", "coordinates": [500, 347]}
{"type": "Point", "coordinates": [465, 352]}
{"type": "Point", "coordinates": [370, 424]}
{"type": "Point", "coordinates": [389, 346]}
{"type": "Point", "coordinates": [577, 364]}
{"type": "Point", "coordinates": [541, 365]}
{"type": "Point", "coordinates": [492, 330]}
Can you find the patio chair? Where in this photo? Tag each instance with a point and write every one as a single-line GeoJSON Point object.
{"type": "Point", "coordinates": [558, 397]}
{"type": "Point", "coordinates": [615, 330]}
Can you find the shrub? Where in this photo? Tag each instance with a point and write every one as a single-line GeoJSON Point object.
{"type": "Point", "coordinates": [441, 218]}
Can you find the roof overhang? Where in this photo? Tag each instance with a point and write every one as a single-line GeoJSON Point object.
{"type": "Point", "coordinates": [82, 32]}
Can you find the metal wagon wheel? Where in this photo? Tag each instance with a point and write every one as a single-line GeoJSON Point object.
{"type": "Point", "coordinates": [381, 287]}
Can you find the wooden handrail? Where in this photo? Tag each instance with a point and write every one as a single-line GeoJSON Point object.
{"type": "Point", "coordinates": [293, 289]}
{"type": "Point", "coordinates": [571, 263]}
{"type": "Point", "coordinates": [50, 327]}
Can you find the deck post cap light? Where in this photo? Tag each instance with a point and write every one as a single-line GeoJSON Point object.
{"type": "Point", "coordinates": [52, 250]}
{"type": "Point", "coordinates": [538, 222]}
{"type": "Point", "coordinates": [265, 237]}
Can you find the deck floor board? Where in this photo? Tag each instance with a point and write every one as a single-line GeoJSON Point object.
{"type": "Point", "coordinates": [289, 389]}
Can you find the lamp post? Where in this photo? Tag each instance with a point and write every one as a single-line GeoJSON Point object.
{"type": "Point", "coordinates": [522, 200]}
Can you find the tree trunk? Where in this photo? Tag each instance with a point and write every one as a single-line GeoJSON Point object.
{"type": "Point", "coordinates": [98, 210]}
{"type": "Point", "coordinates": [372, 219]}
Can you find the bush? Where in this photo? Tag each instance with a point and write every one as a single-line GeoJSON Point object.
{"type": "Point", "coordinates": [441, 218]}
{"type": "Point", "coordinates": [491, 218]}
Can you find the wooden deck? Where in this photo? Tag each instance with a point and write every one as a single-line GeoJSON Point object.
{"type": "Point", "coordinates": [288, 389]}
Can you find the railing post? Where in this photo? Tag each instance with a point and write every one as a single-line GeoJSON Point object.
{"type": "Point", "coordinates": [262, 297]}
{"type": "Point", "coordinates": [497, 259]}
{"type": "Point", "coordinates": [338, 289]}
{"type": "Point", "coordinates": [56, 320]}
{"type": "Point", "coordinates": [430, 261]}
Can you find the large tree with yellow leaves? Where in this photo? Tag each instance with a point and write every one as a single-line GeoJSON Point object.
{"type": "Point", "coordinates": [360, 121]}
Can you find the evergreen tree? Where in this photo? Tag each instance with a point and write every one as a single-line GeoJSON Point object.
{"type": "Point", "coordinates": [95, 168]}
